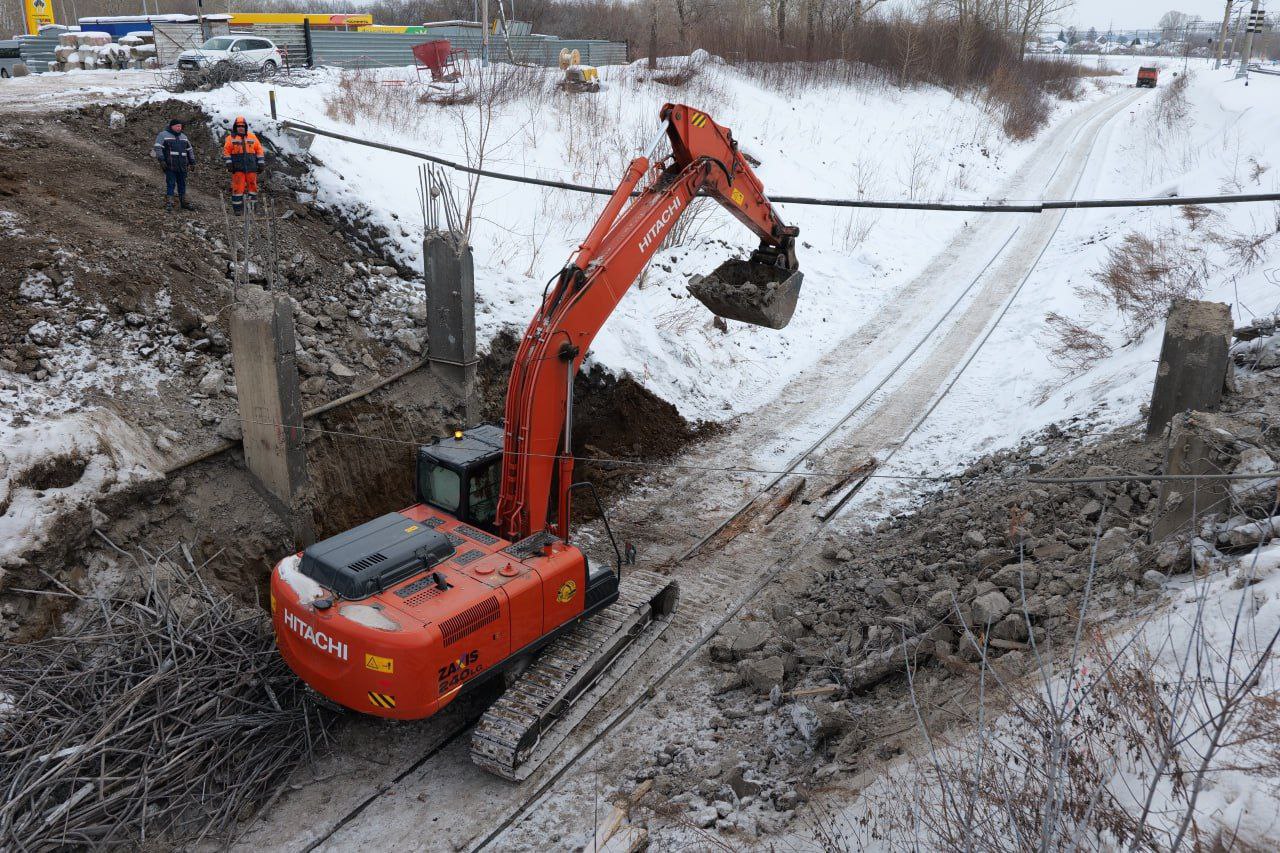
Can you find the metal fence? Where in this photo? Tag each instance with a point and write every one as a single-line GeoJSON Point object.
{"type": "Point", "coordinates": [375, 50]}
{"type": "Point", "coordinates": [288, 37]}
{"type": "Point", "coordinates": [173, 38]}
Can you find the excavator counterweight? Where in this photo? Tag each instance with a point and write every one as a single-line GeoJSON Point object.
{"type": "Point", "coordinates": [478, 580]}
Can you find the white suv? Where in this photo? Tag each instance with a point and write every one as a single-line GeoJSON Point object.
{"type": "Point", "coordinates": [218, 51]}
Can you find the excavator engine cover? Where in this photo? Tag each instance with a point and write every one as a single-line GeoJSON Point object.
{"type": "Point", "coordinates": [750, 292]}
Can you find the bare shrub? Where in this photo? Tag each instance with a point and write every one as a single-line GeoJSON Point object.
{"type": "Point", "coordinates": [1244, 251]}
{"type": "Point", "coordinates": [1172, 107]}
{"type": "Point", "coordinates": [1072, 345]}
{"type": "Point", "coordinates": [361, 96]}
{"type": "Point", "coordinates": [1023, 109]}
{"type": "Point", "coordinates": [214, 77]}
{"type": "Point", "coordinates": [1197, 215]}
{"type": "Point", "coordinates": [1257, 170]}
{"type": "Point", "coordinates": [1146, 272]}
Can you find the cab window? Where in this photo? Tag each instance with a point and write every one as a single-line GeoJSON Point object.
{"type": "Point", "coordinates": [440, 486]}
{"type": "Point", "coordinates": [482, 495]}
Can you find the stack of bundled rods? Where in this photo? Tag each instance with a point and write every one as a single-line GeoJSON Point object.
{"type": "Point", "coordinates": [164, 717]}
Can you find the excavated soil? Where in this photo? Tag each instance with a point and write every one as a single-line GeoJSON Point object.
{"type": "Point", "coordinates": [615, 418]}
{"type": "Point", "coordinates": [112, 300]}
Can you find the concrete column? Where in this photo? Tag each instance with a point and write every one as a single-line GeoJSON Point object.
{"type": "Point", "coordinates": [1183, 500]}
{"type": "Point", "coordinates": [1193, 361]}
{"type": "Point", "coordinates": [451, 316]}
{"type": "Point", "coordinates": [262, 346]}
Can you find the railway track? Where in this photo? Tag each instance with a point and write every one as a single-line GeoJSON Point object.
{"type": "Point", "coordinates": [724, 569]}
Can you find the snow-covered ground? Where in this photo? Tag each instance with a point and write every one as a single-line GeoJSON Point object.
{"type": "Point", "coordinates": [1202, 647]}
{"type": "Point", "coordinates": [1224, 143]}
{"type": "Point", "coordinates": [835, 140]}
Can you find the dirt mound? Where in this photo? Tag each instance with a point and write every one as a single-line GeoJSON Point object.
{"type": "Point", "coordinates": [110, 299]}
{"type": "Point", "coordinates": [615, 417]}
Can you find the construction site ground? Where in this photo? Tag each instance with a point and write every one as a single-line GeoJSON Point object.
{"type": "Point", "coordinates": [813, 536]}
{"type": "Point", "coordinates": [899, 362]}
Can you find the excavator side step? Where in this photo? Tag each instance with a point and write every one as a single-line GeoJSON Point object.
{"type": "Point", "coordinates": [521, 721]}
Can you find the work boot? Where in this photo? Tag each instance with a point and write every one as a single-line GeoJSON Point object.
{"type": "Point", "coordinates": [168, 202]}
{"type": "Point", "coordinates": [182, 202]}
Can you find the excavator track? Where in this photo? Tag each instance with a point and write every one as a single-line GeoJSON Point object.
{"type": "Point", "coordinates": [524, 718]}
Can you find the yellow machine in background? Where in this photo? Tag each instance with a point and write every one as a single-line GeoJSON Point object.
{"type": "Point", "coordinates": [39, 14]}
{"type": "Point", "coordinates": [578, 77]}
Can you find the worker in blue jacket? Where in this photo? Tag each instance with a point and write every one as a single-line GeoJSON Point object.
{"type": "Point", "coordinates": [176, 156]}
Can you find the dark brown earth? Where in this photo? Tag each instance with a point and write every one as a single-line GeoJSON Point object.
{"type": "Point", "coordinates": [101, 236]}
{"type": "Point", "coordinates": [135, 284]}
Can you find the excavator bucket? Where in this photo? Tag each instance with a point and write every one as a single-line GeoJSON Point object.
{"type": "Point", "coordinates": [750, 292]}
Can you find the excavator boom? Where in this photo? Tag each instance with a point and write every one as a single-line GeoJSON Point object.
{"type": "Point", "coordinates": [537, 452]}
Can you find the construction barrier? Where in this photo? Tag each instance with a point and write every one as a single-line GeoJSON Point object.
{"type": "Point", "coordinates": [173, 38]}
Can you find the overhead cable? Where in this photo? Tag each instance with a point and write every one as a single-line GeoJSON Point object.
{"type": "Point", "coordinates": [953, 207]}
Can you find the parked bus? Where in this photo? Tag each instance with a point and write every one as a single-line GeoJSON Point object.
{"type": "Point", "coordinates": [11, 58]}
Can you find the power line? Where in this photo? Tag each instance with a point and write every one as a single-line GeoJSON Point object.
{"type": "Point", "coordinates": [734, 469]}
{"type": "Point", "coordinates": [957, 207]}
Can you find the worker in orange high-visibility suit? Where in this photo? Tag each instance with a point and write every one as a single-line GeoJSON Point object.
{"type": "Point", "coordinates": [243, 155]}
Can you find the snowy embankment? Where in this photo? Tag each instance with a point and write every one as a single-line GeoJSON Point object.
{"type": "Point", "coordinates": [1220, 140]}
{"type": "Point", "coordinates": [834, 140]}
{"type": "Point", "coordinates": [53, 475]}
{"type": "Point", "coordinates": [1167, 719]}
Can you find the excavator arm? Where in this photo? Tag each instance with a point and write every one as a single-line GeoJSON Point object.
{"type": "Point", "coordinates": [537, 453]}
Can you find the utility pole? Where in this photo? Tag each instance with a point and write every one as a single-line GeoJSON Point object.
{"type": "Point", "coordinates": [1238, 38]}
{"type": "Point", "coordinates": [484, 33]}
{"type": "Point", "coordinates": [1255, 26]}
{"type": "Point", "coordinates": [1222, 33]}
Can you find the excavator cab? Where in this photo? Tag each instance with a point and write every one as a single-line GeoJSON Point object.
{"type": "Point", "coordinates": [462, 475]}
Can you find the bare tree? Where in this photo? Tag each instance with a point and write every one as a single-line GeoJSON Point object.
{"type": "Point", "coordinates": [1172, 23]}
{"type": "Point", "coordinates": [1032, 15]}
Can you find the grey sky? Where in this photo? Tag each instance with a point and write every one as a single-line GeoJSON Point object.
{"type": "Point", "coordinates": [1131, 14]}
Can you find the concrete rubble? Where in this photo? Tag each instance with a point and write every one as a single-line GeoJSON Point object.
{"type": "Point", "coordinates": [809, 687]}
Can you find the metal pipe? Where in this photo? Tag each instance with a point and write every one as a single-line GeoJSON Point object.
{"type": "Point", "coordinates": [657, 140]}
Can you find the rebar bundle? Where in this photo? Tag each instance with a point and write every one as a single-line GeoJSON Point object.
{"type": "Point", "coordinates": [161, 718]}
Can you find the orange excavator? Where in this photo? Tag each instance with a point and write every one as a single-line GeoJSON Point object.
{"type": "Point", "coordinates": [479, 579]}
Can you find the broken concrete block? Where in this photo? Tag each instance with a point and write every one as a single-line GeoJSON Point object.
{"type": "Point", "coordinates": [763, 675]}
{"type": "Point", "coordinates": [990, 608]}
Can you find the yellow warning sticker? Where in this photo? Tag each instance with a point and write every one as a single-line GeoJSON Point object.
{"type": "Point", "coordinates": [378, 664]}
{"type": "Point", "coordinates": [737, 196]}
{"type": "Point", "coordinates": [566, 592]}
{"type": "Point", "coordinates": [382, 700]}
{"type": "Point", "coordinates": [698, 119]}
{"type": "Point", "coordinates": [411, 528]}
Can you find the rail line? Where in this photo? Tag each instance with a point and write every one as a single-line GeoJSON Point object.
{"type": "Point", "coordinates": [705, 591]}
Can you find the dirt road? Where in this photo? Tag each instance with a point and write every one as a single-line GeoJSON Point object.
{"type": "Point", "coordinates": [412, 787]}
{"type": "Point", "coordinates": [43, 93]}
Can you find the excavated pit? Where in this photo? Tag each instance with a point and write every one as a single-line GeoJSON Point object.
{"type": "Point", "coordinates": [759, 294]}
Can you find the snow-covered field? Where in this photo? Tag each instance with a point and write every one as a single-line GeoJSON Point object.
{"type": "Point", "coordinates": [834, 140]}
{"type": "Point", "coordinates": [1202, 648]}
{"type": "Point", "coordinates": [1224, 143]}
